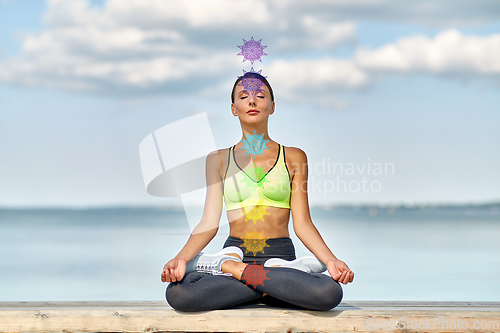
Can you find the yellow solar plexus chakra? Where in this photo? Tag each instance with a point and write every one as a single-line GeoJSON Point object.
{"type": "Point", "coordinates": [255, 213]}
{"type": "Point", "coordinates": [254, 242]}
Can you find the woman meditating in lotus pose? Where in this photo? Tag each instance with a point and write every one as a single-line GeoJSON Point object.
{"type": "Point", "coordinates": [257, 263]}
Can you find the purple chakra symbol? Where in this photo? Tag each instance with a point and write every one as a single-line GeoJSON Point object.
{"type": "Point", "coordinates": [252, 50]}
{"type": "Point", "coordinates": [252, 83]}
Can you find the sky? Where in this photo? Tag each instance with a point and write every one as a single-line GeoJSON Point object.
{"type": "Point", "coordinates": [414, 86]}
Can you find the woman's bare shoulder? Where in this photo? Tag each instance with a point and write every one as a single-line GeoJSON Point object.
{"type": "Point", "coordinates": [219, 160]}
{"type": "Point", "coordinates": [223, 152]}
{"type": "Point", "coordinates": [294, 154]}
{"type": "Point", "coordinates": [295, 159]}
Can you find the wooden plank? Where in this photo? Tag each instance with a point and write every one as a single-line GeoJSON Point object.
{"type": "Point", "coordinates": [157, 316]}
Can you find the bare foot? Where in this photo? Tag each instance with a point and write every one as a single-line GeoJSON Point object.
{"type": "Point", "coordinates": [233, 267]}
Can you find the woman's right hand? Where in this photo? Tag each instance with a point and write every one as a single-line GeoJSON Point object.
{"type": "Point", "coordinates": [173, 270]}
{"type": "Point", "coordinates": [339, 271]}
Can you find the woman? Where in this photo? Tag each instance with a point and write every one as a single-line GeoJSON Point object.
{"type": "Point", "coordinates": [259, 199]}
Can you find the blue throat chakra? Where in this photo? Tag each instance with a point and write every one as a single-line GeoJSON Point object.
{"type": "Point", "coordinates": [254, 144]}
{"type": "Point", "coordinates": [252, 83]}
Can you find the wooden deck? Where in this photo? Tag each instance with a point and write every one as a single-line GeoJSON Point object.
{"type": "Point", "coordinates": [157, 316]}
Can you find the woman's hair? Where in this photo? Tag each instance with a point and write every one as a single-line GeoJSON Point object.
{"type": "Point", "coordinates": [252, 75]}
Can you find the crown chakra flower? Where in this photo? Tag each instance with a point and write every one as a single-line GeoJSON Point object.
{"type": "Point", "coordinates": [252, 50]}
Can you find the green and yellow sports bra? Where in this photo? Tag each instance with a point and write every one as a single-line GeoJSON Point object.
{"type": "Point", "coordinates": [252, 187]}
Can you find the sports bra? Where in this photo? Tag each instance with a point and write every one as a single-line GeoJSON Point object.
{"type": "Point", "coordinates": [252, 187]}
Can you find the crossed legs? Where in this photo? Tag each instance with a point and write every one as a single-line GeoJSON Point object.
{"type": "Point", "coordinates": [199, 291]}
{"type": "Point", "coordinates": [284, 287]}
{"type": "Point", "coordinates": [274, 286]}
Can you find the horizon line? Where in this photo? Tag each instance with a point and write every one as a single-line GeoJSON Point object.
{"type": "Point", "coordinates": [406, 205]}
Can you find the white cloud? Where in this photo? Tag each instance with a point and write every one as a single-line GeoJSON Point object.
{"type": "Point", "coordinates": [157, 13]}
{"type": "Point", "coordinates": [442, 13]}
{"type": "Point", "coordinates": [194, 13]}
{"type": "Point", "coordinates": [132, 47]}
{"type": "Point", "coordinates": [74, 13]}
{"type": "Point", "coordinates": [312, 33]}
{"type": "Point", "coordinates": [92, 41]}
{"type": "Point", "coordinates": [316, 81]}
{"type": "Point", "coordinates": [318, 74]}
{"type": "Point", "coordinates": [79, 73]}
{"type": "Point", "coordinates": [152, 44]}
{"type": "Point", "coordinates": [324, 34]}
{"type": "Point", "coordinates": [448, 52]}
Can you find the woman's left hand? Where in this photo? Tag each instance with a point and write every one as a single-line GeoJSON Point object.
{"type": "Point", "coordinates": [339, 271]}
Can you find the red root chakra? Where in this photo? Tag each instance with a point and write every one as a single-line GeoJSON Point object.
{"type": "Point", "coordinates": [254, 275]}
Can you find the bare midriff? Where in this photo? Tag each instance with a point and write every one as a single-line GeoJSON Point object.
{"type": "Point", "coordinates": [272, 224]}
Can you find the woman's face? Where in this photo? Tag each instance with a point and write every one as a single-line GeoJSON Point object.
{"type": "Point", "coordinates": [252, 107]}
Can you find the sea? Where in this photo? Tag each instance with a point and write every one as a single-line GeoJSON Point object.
{"type": "Point", "coordinates": [398, 254]}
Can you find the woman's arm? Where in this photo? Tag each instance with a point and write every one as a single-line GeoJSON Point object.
{"type": "Point", "coordinates": [206, 230]}
{"type": "Point", "coordinates": [302, 222]}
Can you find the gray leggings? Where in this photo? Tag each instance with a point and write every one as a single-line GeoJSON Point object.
{"type": "Point", "coordinates": [285, 287]}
